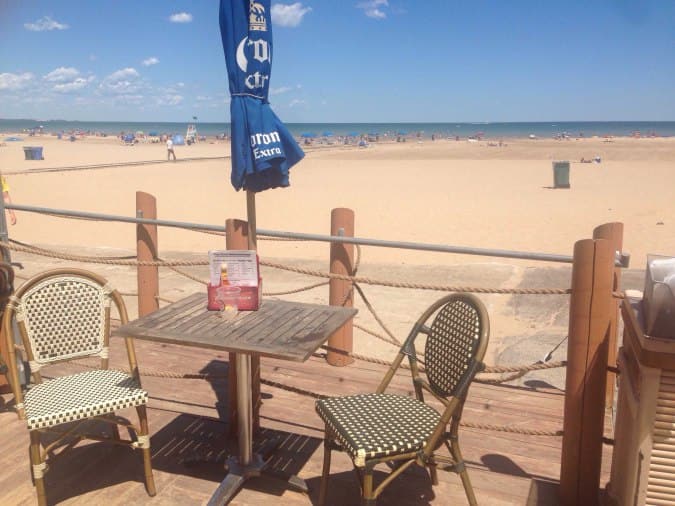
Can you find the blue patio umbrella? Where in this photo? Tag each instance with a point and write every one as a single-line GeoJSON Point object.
{"type": "Point", "coordinates": [308, 135]}
{"type": "Point", "coordinates": [263, 150]}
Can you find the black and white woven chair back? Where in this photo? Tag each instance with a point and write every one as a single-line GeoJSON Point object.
{"type": "Point", "coordinates": [456, 341]}
{"type": "Point", "coordinates": [64, 317]}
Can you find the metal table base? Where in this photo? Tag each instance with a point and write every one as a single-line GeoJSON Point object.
{"type": "Point", "coordinates": [247, 464]}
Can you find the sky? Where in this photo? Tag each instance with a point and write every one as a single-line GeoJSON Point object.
{"type": "Point", "coordinates": [345, 60]}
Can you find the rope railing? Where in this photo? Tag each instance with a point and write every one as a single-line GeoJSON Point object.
{"type": "Point", "coordinates": [389, 339]}
{"type": "Point", "coordinates": [310, 272]}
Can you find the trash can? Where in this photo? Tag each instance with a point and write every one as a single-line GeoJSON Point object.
{"type": "Point", "coordinates": [561, 174]}
{"type": "Point", "coordinates": [37, 153]}
{"type": "Point", "coordinates": [28, 152]}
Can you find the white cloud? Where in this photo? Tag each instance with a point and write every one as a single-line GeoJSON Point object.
{"type": "Point", "coordinates": [126, 73]}
{"type": "Point", "coordinates": [62, 75]}
{"type": "Point", "coordinates": [296, 101]}
{"type": "Point", "coordinates": [372, 9]}
{"type": "Point", "coordinates": [288, 15]}
{"type": "Point", "coordinates": [74, 85]}
{"type": "Point", "coordinates": [181, 17]}
{"type": "Point", "coordinates": [169, 98]}
{"type": "Point", "coordinates": [279, 91]}
{"type": "Point", "coordinates": [122, 81]}
{"type": "Point", "coordinates": [10, 81]}
{"type": "Point", "coordinates": [150, 61]}
{"type": "Point", "coordinates": [45, 24]}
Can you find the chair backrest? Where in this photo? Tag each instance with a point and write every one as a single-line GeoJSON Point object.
{"type": "Point", "coordinates": [456, 343]}
{"type": "Point", "coordinates": [63, 314]}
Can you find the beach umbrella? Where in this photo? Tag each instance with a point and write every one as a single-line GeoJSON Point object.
{"type": "Point", "coordinates": [327, 134]}
{"type": "Point", "coordinates": [308, 135]}
{"type": "Point", "coordinates": [263, 150]}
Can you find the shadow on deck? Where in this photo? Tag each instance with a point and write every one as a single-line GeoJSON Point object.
{"type": "Point", "coordinates": [189, 448]}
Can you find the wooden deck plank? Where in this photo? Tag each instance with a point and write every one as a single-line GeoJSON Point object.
{"type": "Point", "coordinates": [505, 468]}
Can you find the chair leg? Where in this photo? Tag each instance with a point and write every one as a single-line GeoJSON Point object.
{"type": "Point", "coordinates": [433, 474]}
{"type": "Point", "coordinates": [326, 470]}
{"type": "Point", "coordinates": [368, 498]}
{"type": "Point", "coordinates": [36, 460]}
{"type": "Point", "coordinates": [463, 473]}
{"type": "Point", "coordinates": [147, 463]}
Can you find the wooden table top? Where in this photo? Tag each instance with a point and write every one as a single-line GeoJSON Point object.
{"type": "Point", "coordinates": [279, 329]}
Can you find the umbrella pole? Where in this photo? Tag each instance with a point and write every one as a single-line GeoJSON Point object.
{"type": "Point", "coordinates": [250, 216]}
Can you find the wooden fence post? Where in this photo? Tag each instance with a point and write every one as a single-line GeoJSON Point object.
{"type": "Point", "coordinates": [146, 250]}
{"type": "Point", "coordinates": [341, 293]}
{"type": "Point", "coordinates": [613, 232]}
{"type": "Point", "coordinates": [237, 237]}
{"type": "Point", "coordinates": [584, 414]}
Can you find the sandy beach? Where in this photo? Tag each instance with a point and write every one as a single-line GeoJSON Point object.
{"type": "Point", "coordinates": [442, 192]}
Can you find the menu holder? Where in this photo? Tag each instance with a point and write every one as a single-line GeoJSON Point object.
{"type": "Point", "coordinates": [243, 270]}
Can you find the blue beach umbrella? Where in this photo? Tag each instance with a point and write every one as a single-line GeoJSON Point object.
{"type": "Point", "coordinates": [263, 150]}
{"type": "Point", "coordinates": [327, 134]}
{"type": "Point", "coordinates": [308, 135]}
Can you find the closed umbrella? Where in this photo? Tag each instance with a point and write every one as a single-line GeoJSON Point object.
{"type": "Point", "coordinates": [263, 150]}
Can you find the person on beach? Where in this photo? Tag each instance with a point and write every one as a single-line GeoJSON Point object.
{"type": "Point", "coordinates": [7, 199]}
{"type": "Point", "coordinates": [169, 149]}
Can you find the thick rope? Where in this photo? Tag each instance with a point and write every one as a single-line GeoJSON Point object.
{"type": "Point", "coordinates": [355, 279]}
{"type": "Point", "coordinates": [504, 428]}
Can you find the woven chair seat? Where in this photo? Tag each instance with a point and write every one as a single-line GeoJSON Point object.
{"type": "Point", "coordinates": [78, 396]}
{"type": "Point", "coordinates": [371, 426]}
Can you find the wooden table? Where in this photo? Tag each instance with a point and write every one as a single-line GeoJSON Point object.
{"type": "Point", "coordinates": [279, 329]}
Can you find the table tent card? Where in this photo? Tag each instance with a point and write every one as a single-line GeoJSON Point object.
{"type": "Point", "coordinates": [242, 270]}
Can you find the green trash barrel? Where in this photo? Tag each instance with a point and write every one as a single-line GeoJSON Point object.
{"type": "Point", "coordinates": [561, 174]}
{"type": "Point", "coordinates": [28, 152]}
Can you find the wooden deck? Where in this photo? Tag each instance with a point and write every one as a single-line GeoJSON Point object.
{"type": "Point", "coordinates": [185, 421]}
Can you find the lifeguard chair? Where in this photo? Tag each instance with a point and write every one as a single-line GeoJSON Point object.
{"type": "Point", "coordinates": [191, 134]}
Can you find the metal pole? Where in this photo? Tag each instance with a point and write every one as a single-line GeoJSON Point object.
{"type": "Point", "coordinates": [622, 260]}
{"type": "Point", "coordinates": [244, 408]}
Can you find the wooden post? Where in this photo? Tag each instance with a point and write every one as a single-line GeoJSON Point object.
{"type": "Point", "coordinates": [341, 293]}
{"type": "Point", "coordinates": [612, 232]}
{"type": "Point", "coordinates": [584, 414]}
{"type": "Point", "coordinates": [237, 237]}
{"type": "Point", "coordinates": [146, 250]}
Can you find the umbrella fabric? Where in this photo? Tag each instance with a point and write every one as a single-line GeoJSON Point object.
{"type": "Point", "coordinates": [263, 150]}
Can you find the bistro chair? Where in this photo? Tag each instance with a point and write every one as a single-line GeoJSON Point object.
{"type": "Point", "coordinates": [64, 314]}
{"type": "Point", "coordinates": [386, 428]}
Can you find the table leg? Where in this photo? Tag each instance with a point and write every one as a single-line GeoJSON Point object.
{"type": "Point", "coordinates": [244, 408]}
{"type": "Point", "coordinates": [248, 464]}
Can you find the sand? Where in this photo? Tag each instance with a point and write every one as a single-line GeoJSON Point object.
{"type": "Point", "coordinates": [440, 192]}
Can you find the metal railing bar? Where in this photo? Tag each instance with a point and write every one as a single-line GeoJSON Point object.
{"type": "Point", "coordinates": [440, 248]}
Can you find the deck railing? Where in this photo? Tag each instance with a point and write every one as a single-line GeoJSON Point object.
{"type": "Point", "coordinates": [594, 299]}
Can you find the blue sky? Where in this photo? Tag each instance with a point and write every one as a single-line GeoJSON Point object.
{"type": "Point", "coordinates": [345, 61]}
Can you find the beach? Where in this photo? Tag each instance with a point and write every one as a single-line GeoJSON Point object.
{"type": "Point", "coordinates": [443, 192]}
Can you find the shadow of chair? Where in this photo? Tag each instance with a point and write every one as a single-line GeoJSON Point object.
{"type": "Point", "coordinates": [63, 315]}
{"type": "Point", "coordinates": [6, 289]}
{"type": "Point", "coordinates": [383, 428]}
